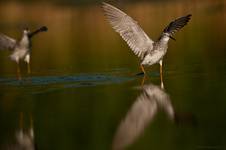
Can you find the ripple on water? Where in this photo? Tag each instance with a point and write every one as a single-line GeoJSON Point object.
{"type": "Point", "coordinates": [80, 80]}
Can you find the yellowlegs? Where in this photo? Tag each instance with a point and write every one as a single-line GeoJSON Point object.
{"type": "Point", "coordinates": [147, 50]}
{"type": "Point", "coordinates": [24, 137]}
{"type": "Point", "coordinates": [20, 49]}
{"type": "Point", "coordinates": [141, 114]}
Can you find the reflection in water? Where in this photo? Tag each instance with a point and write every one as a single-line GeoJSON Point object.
{"type": "Point", "coordinates": [24, 138]}
{"type": "Point", "coordinates": [45, 84]}
{"type": "Point", "coordinates": [196, 62]}
{"type": "Point", "coordinates": [141, 114]}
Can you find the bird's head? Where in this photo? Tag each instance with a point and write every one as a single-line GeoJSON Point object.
{"type": "Point", "coordinates": [26, 31]}
{"type": "Point", "coordinates": [166, 36]}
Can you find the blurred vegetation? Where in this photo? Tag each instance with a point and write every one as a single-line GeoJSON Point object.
{"type": "Point", "coordinates": [81, 40]}
{"type": "Point", "coordinates": [82, 32]}
{"type": "Point", "coordinates": [81, 2]}
{"type": "Point", "coordinates": [87, 2]}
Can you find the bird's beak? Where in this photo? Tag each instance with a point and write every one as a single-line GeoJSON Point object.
{"type": "Point", "coordinates": [172, 38]}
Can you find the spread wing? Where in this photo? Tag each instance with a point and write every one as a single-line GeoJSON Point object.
{"type": "Point", "coordinates": [128, 29]}
{"type": "Point", "coordinates": [177, 24]}
{"type": "Point", "coordinates": [162, 98]}
{"type": "Point", "coordinates": [6, 43]}
{"type": "Point", "coordinates": [141, 115]}
{"type": "Point", "coordinates": [137, 119]}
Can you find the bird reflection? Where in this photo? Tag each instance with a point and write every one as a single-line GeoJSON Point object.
{"type": "Point", "coordinates": [24, 138]}
{"type": "Point", "coordinates": [141, 114]}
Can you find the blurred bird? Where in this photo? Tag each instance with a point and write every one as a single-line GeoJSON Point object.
{"type": "Point", "coordinates": [147, 50]}
{"type": "Point", "coordinates": [141, 114]}
{"type": "Point", "coordinates": [24, 138]}
{"type": "Point", "coordinates": [20, 49]}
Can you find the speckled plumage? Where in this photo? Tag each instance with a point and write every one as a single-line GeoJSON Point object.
{"type": "Point", "coordinates": [147, 50]}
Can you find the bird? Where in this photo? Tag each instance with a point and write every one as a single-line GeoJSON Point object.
{"type": "Point", "coordinates": [151, 100]}
{"type": "Point", "coordinates": [24, 138]}
{"type": "Point", "coordinates": [149, 52]}
{"type": "Point", "coordinates": [21, 49]}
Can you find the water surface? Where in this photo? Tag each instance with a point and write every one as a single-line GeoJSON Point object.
{"type": "Point", "coordinates": [83, 92]}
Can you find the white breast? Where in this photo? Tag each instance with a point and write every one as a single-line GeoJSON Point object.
{"type": "Point", "coordinates": [21, 50]}
{"type": "Point", "coordinates": [153, 58]}
{"type": "Point", "coordinates": [24, 43]}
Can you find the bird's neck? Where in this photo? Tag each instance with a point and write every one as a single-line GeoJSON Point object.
{"type": "Point", "coordinates": [25, 42]}
{"type": "Point", "coordinates": [164, 39]}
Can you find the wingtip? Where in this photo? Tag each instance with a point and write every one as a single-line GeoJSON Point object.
{"type": "Point", "coordinates": [189, 16]}
{"type": "Point", "coordinates": [44, 28]}
{"type": "Point", "coordinates": [105, 4]}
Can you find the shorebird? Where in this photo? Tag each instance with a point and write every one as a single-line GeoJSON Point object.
{"type": "Point", "coordinates": [147, 50]}
{"type": "Point", "coordinates": [141, 114]}
{"type": "Point", "coordinates": [24, 137]}
{"type": "Point", "coordinates": [21, 49]}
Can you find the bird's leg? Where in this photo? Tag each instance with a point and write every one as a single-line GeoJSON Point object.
{"type": "Point", "coordinates": [162, 85]}
{"type": "Point", "coordinates": [27, 60]}
{"type": "Point", "coordinates": [18, 71]}
{"type": "Point", "coordinates": [143, 80]}
{"type": "Point", "coordinates": [28, 68]}
{"type": "Point", "coordinates": [161, 74]}
{"type": "Point", "coordinates": [142, 68]}
{"type": "Point", "coordinates": [31, 127]}
{"type": "Point", "coordinates": [21, 120]}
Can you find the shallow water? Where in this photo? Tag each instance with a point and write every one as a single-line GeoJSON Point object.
{"type": "Point", "coordinates": [83, 92]}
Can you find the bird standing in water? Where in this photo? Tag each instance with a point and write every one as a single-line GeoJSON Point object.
{"type": "Point", "coordinates": [20, 49]}
{"type": "Point", "coordinates": [147, 50]}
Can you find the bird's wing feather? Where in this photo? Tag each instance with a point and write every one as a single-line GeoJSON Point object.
{"type": "Point", "coordinates": [129, 30]}
{"type": "Point", "coordinates": [137, 119]}
{"type": "Point", "coordinates": [6, 43]}
{"type": "Point", "coordinates": [177, 24]}
{"type": "Point", "coordinates": [162, 98]}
